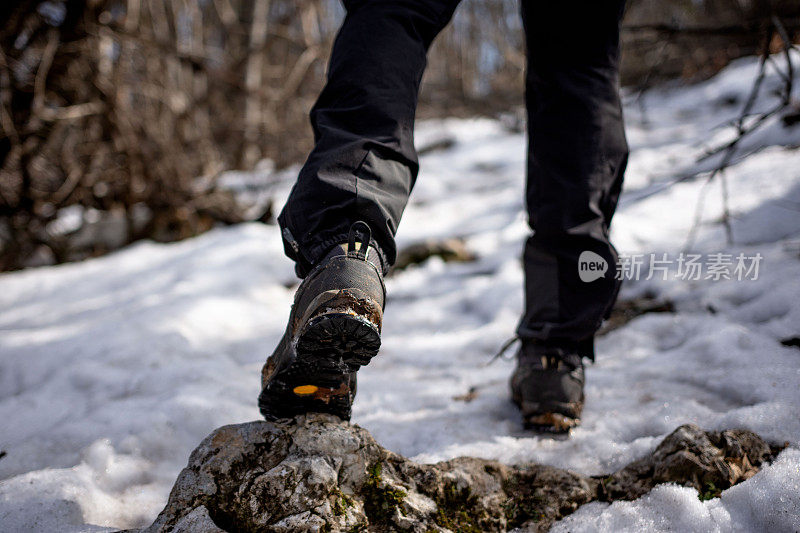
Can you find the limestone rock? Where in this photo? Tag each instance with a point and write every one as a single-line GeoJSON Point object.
{"type": "Point", "coordinates": [317, 473]}
{"type": "Point", "coordinates": [692, 457]}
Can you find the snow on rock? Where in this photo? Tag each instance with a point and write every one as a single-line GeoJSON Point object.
{"type": "Point", "coordinates": [113, 369]}
{"type": "Point", "coordinates": [768, 501]}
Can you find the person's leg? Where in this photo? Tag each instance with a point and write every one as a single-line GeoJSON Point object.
{"type": "Point", "coordinates": [352, 189]}
{"type": "Point", "coordinates": [363, 164]}
{"type": "Point", "coordinates": [576, 159]}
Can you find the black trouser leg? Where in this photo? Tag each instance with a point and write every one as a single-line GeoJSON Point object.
{"type": "Point", "coordinates": [363, 164]}
{"type": "Point", "coordinates": [576, 159]}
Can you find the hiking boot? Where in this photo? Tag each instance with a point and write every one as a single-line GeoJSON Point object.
{"type": "Point", "coordinates": [334, 329]}
{"type": "Point", "coordinates": [547, 386]}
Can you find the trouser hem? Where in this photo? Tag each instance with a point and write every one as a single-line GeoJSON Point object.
{"type": "Point", "coordinates": [309, 254]}
{"type": "Point", "coordinates": [583, 346]}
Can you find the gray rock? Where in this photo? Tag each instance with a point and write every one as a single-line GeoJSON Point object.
{"type": "Point", "coordinates": [197, 521]}
{"type": "Point", "coordinates": [317, 473]}
{"type": "Point", "coordinates": [708, 461]}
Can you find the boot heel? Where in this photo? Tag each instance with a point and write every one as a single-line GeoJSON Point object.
{"type": "Point", "coordinates": [340, 336]}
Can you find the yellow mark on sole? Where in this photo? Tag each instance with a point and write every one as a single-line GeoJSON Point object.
{"type": "Point", "coordinates": [304, 390]}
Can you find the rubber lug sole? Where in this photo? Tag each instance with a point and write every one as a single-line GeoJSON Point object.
{"type": "Point", "coordinates": [552, 423]}
{"type": "Point", "coordinates": [555, 418]}
{"type": "Point", "coordinates": [330, 349]}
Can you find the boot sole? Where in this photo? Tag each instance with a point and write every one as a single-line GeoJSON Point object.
{"type": "Point", "coordinates": [555, 418]}
{"type": "Point", "coordinates": [330, 349]}
{"type": "Point", "coordinates": [551, 423]}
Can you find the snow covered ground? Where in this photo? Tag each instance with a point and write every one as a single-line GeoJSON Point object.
{"type": "Point", "coordinates": [113, 369]}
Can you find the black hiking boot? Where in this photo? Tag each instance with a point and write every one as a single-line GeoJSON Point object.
{"type": "Point", "coordinates": [547, 386]}
{"type": "Point", "coordinates": [334, 329]}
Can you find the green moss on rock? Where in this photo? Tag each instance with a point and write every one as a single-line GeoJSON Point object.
{"type": "Point", "coordinates": [341, 503]}
{"type": "Point", "coordinates": [459, 510]}
{"type": "Point", "coordinates": [380, 501]}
